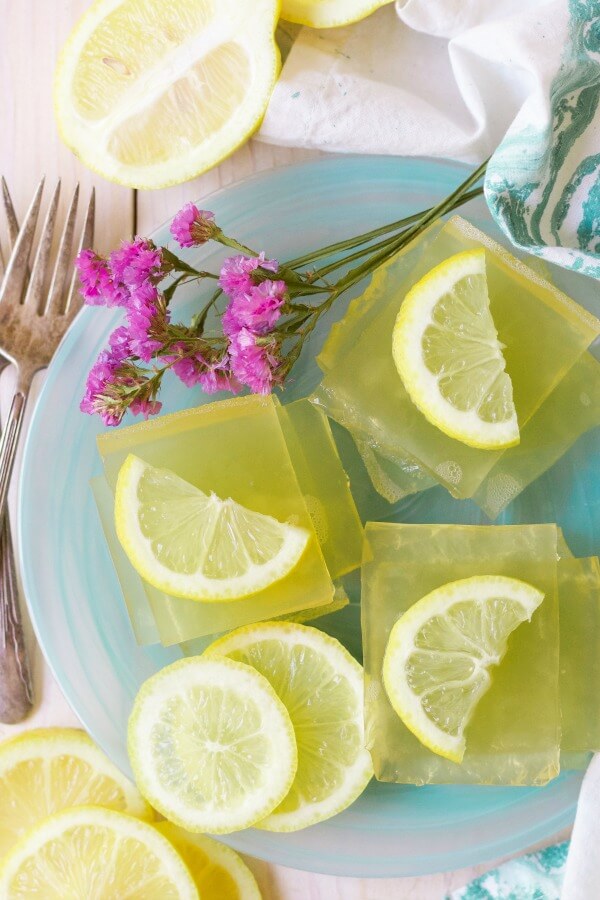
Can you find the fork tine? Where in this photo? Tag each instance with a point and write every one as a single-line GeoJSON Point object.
{"type": "Point", "coordinates": [74, 299]}
{"type": "Point", "coordinates": [16, 271]}
{"type": "Point", "coordinates": [63, 259]}
{"type": "Point", "coordinates": [11, 216]}
{"type": "Point", "coordinates": [11, 221]}
{"type": "Point", "coordinates": [35, 291]}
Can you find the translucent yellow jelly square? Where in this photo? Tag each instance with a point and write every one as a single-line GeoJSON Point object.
{"type": "Point", "coordinates": [572, 408]}
{"type": "Point", "coordinates": [579, 609]}
{"type": "Point", "coordinates": [142, 620]}
{"type": "Point", "coordinates": [324, 485]}
{"type": "Point", "coordinates": [363, 391]}
{"type": "Point", "coordinates": [235, 448]}
{"type": "Point", "coordinates": [514, 736]}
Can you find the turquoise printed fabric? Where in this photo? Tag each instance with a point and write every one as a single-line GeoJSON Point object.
{"type": "Point", "coordinates": [543, 181]}
{"type": "Point", "coordinates": [536, 876]}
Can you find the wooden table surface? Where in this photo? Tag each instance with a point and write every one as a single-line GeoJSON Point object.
{"type": "Point", "coordinates": [30, 38]}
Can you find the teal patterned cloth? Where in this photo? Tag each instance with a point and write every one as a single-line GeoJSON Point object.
{"type": "Point", "coordinates": [536, 876]}
{"type": "Point", "coordinates": [543, 181]}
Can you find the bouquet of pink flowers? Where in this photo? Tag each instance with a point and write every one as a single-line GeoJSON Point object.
{"type": "Point", "coordinates": [265, 309]}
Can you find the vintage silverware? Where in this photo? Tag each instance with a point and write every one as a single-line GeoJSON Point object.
{"type": "Point", "coordinates": [32, 324]}
{"type": "Point", "coordinates": [16, 691]}
{"type": "Point", "coordinates": [34, 320]}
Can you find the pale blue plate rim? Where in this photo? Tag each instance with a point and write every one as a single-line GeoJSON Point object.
{"type": "Point", "coordinates": [388, 866]}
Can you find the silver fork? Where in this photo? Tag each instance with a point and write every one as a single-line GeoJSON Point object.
{"type": "Point", "coordinates": [16, 690]}
{"type": "Point", "coordinates": [29, 334]}
{"type": "Point", "coordinates": [33, 320]}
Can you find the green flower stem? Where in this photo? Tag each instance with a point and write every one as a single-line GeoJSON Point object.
{"type": "Point", "coordinates": [180, 266]}
{"type": "Point", "coordinates": [326, 270]}
{"type": "Point", "coordinates": [357, 274]}
{"type": "Point", "coordinates": [286, 272]}
{"type": "Point", "coordinates": [371, 235]}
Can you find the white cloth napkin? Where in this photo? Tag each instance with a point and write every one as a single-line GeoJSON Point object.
{"type": "Point", "coordinates": [421, 77]}
{"type": "Point", "coordinates": [582, 871]}
{"type": "Point", "coordinates": [465, 79]}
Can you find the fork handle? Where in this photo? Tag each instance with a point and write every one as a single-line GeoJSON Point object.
{"type": "Point", "coordinates": [16, 692]}
{"type": "Point", "coordinates": [8, 445]}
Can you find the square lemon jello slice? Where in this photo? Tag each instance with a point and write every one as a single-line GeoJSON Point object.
{"type": "Point", "coordinates": [579, 609]}
{"type": "Point", "coordinates": [513, 736]}
{"type": "Point", "coordinates": [363, 391]}
{"type": "Point", "coordinates": [237, 448]}
{"type": "Point", "coordinates": [572, 409]}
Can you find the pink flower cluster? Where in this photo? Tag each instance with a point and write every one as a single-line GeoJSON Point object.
{"type": "Point", "coordinates": [250, 318]}
{"type": "Point", "coordinates": [211, 371]}
{"type": "Point", "coordinates": [109, 377]}
{"type": "Point", "coordinates": [113, 281]}
{"type": "Point", "coordinates": [192, 226]}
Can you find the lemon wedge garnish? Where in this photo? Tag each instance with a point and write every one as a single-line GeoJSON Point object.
{"type": "Point", "coordinates": [195, 545]}
{"type": "Point", "coordinates": [447, 352]}
{"type": "Point", "coordinates": [439, 653]}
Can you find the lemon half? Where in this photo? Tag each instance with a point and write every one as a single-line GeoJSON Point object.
{"type": "Point", "coordinates": [150, 94]}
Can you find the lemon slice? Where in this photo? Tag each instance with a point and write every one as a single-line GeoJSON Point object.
{"type": "Point", "coordinates": [211, 746]}
{"type": "Point", "coordinates": [321, 686]}
{"type": "Point", "coordinates": [90, 852]}
{"type": "Point", "coordinates": [447, 352]}
{"type": "Point", "coordinates": [195, 545]}
{"type": "Point", "coordinates": [46, 770]}
{"type": "Point", "coordinates": [149, 93]}
{"type": "Point", "coordinates": [328, 13]}
{"type": "Point", "coordinates": [217, 870]}
{"type": "Point", "coordinates": [437, 661]}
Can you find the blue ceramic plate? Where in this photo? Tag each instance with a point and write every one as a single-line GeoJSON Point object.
{"type": "Point", "coordinates": [73, 593]}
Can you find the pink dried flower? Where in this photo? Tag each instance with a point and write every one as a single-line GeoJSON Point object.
{"type": "Point", "coordinates": [257, 309]}
{"type": "Point", "coordinates": [98, 287]}
{"type": "Point", "coordinates": [145, 407]}
{"type": "Point", "coordinates": [254, 361]}
{"type": "Point", "coordinates": [236, 271]}
{"type": "Point", "coordinates": [110, 370]}
{"type": "Point", "coordinates": [192, 226]}
{"type": "Point", "coordinates": [148, 318]}
{"type": "Point", "coordinates": [138, 262]}
{"type": "Point", "coordinates": [218, 377]}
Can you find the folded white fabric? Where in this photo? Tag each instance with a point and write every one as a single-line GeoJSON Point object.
{"type": "Point", "coordinates": [422, 77]}
{"type": "Point", "coordinates": [465, 79]}
{"type": "Point", "coordinates": [582, 871]}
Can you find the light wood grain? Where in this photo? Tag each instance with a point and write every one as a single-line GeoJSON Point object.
{"type": "Point", "coordinates": [31, 34]}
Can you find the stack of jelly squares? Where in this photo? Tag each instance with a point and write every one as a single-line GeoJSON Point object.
{"type": "Point", "coordinates": [540, 712]}
{"type": "Point", "coordinates": [277, 460]}
{"type": "Point", "coordinates": [546, 336]}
